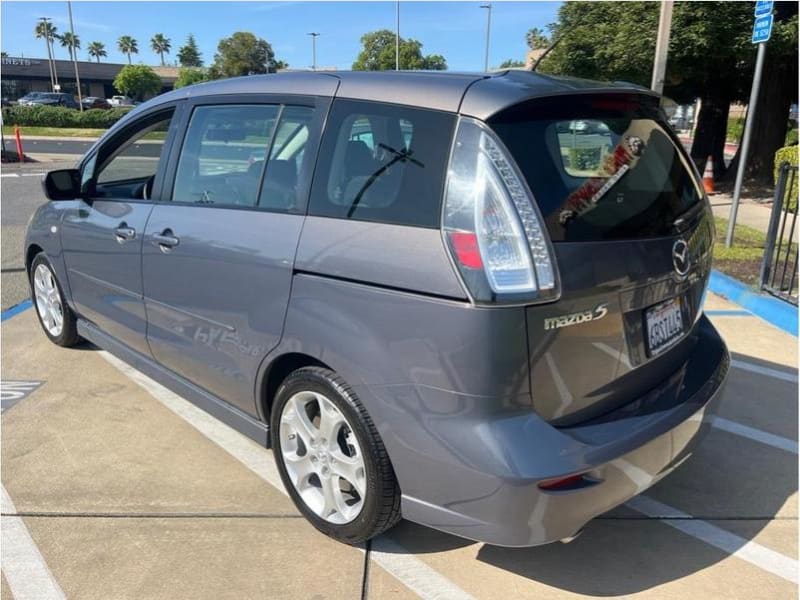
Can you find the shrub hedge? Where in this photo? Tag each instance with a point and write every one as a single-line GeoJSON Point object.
{"type": "Point", "coordinates": [58, 116]}
{"type": "Point", "coordinates": [787, 154]}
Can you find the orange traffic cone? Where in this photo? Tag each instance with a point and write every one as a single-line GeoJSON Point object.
{"type": "Point", "coordinates": [708, 176]}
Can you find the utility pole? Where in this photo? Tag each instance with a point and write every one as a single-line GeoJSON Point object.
{"type": "Point", "coordinates": [662, 47]}
{"type": "Point", "coordinates": [488, 8]}
{"type": "Point", "coordinates": [74, 52]}
{"type": "Point", "coordinates": [314, 35]}
{"type": "Point", "coordinates": [50, 66]}
{"type": "Point", "coordinates": [397, 36]}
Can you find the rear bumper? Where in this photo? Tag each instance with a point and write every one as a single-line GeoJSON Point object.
{"type": "Point", "coordinates": [487, 488]}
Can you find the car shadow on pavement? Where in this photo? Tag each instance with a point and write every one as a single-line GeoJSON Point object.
{"type": "Point", "coordinates": [731, 482]}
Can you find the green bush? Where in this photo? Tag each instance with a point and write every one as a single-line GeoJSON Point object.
{"type": "Point", "coordinates": [787, 154]}
{"type": "Point", "coordinates": [735, 128]}
{"type": "Point", "coordinates": [585, 159]}
{"type": "Point", "coordinates": [58, 116]}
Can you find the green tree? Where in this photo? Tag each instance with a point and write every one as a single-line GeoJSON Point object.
{"type": "Point", "coordinates": [511, 63]}
{"type": "Point", "coordinates": [189, 54]}
{"type": "Point", "coordinates": [72, 43]}
{"type": "Point", "coordinates": [137, 81]}
{"type": "Point", "coordinates": [128, 45]}
{"type": "Point", "coordinates": [45, 30]}
{"type": "Point", "coordinates": [190, 76]}
{"type": "Point", "coordinates": [378, 54]}
{"type": "Point", "coordinates": [160, 45]}
{"type": "Point", "coordinates": [536, 39]}
{"type": "Point", "coordinates": [96, 50]}
{"type": "Point", "coordinates": [242, 54]}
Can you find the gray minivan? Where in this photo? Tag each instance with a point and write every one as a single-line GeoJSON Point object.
{"type": "Point", "coordinates": [433, 295]}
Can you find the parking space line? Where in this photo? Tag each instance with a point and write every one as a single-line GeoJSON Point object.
{"type": "Point", "coordinates": [15, 310]}
{"type": "Point", "coordinates": [728, 313]}
{"type": "Point", "coordinates": [392, 557]}
{"type": "Point", "coordinates": [749, 551]}
{"type": "Point", "coordinates": [763, 437]}
{"type": "Point", "coordinates": [25, 569]}
{"type": "Point", "coordinates": [753, 368]}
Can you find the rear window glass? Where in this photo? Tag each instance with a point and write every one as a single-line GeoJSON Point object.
{"type": "Point", "coordinates": [600, 169]}
{"type": "Point", "coordinates": [382, 163]}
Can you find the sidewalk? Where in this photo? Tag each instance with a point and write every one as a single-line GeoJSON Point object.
{"type": "Point", "coordinates": [753, 212]}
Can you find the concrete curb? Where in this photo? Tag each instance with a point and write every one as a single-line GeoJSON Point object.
{"type": "Point", "coordinates": [777, 312]}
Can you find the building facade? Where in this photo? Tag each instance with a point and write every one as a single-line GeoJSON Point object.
{"type": "Point", "coordinates": [18, 76]}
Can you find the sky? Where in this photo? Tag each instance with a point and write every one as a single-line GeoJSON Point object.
{"type": "Point", "coordinates": [454, 29]}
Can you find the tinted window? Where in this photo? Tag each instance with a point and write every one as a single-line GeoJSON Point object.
{"type": "Point", "coordinates": [382, 163]}
{"type": "Point", "coordinates": [137, 158]}
{"type": "Point", "coordinates": [279, 190]}
{"type": "Point", "coordinates": [600, 168]}
{"type": "Point", "coordinates": [223, 152]}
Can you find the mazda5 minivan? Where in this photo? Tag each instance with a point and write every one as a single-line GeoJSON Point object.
{"type": "Point", "coordinates": [431, 295]}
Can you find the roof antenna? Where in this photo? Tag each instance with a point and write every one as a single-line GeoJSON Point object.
{"type": "Point", "coordinates": [546, 52]}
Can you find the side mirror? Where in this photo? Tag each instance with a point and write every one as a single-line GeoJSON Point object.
{"type": "Point", "coordinates": [64, 184]}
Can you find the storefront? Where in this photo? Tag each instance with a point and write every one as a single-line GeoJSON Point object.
{"type": "Point", "coordinates": [18, 76]}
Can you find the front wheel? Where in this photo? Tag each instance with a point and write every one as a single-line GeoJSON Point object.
{"type": "Point", "coordinates": [331, 458]}
{"type": "Point", "coordinates": [55, 316]}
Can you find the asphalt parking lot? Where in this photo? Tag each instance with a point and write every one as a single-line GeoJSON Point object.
{"type": "Point", "coordinates": [114, 487]}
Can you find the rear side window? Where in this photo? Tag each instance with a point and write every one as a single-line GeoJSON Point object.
{"type": "Point", "coordinates": [600, 168]}
{"type": "Point", "coordinates": [382, 163]}
{"type": "Point", "coordinates": [223, 152]}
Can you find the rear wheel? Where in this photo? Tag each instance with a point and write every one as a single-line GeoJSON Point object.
{"type": "Point", "coordinates": [331, 458]}
{"type": "Point", "coordinates": [57, 319]}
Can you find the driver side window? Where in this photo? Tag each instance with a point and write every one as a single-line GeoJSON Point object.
{"type": "Point", "coordinates": [127, 169]}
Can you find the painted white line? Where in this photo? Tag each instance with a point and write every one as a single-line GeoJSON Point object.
{"type": "Point", "coordinates": [413, 573]}
{"type": "Point", "coordinates": [756, 554]}
{"type": "Point", "coordinates": [746, 366]}
{"type": "Point", "coordinates": [769, 439]}
{"type": "Point", "coordinates": [24, 567]}
{"type": "Point", "coordinates": [9, 175]}
{"type": "Point", "coordinates": [395, 559]}
{"type": "Point", "coordinates": [32, 174]}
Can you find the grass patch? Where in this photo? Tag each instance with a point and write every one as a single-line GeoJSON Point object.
{"type": "Point", "coordinates": [54, 131]}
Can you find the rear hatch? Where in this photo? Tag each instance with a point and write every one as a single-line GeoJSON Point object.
{"type": "Point", "coordinates": [632, 235]}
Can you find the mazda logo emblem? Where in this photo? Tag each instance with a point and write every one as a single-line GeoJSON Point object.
{"type": "Point", "coordinates": [680, 258]}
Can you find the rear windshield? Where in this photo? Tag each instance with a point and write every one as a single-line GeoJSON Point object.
{"type": "Point", "coordinates": [600, 168]}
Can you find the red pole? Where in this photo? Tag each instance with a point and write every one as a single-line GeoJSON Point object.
{"type": "Point", "coordinates": [20, 153]}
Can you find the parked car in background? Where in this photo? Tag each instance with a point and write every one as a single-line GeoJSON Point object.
{"type": "Point", "coordinates": [54, 99]}
{"type": "Point", "coordinates": [120, 101]}
{"type": "Point", "coordinates": [402, 284]}
{"type": "Point", "coordinates": [26, 99]}
{"type": "Point", "coordinates": [95, 102]}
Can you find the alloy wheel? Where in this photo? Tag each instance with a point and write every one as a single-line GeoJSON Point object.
{"type": "Point", "coordinates": [48, 300]}
{"type": "Point", "coordinates": [322, 457]}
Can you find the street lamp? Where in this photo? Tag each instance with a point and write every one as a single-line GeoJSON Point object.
{"type": "Point", "coordinates": [314, 35]}
{"type": "Point", "coordinates": [488, 8]}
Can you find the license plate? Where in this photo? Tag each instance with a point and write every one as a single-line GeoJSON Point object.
{"type": "Point", "coordinates": [664, 325]}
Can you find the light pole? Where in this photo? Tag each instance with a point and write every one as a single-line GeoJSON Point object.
{"type": "Point", "coordinates": [488, 8]}
{"type": "Point", "coordinates": [314, 35]}
{"type": "Point", "coordinates": [74, 52]}
{"type": "Point", "coordinates": [397, 37]}
{"type": "Point", "coordinates": [50, 66]}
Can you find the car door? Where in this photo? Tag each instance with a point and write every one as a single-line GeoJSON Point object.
{"type": "Point", "coordinates": [102, 235]}
{"type": "Point", "coordinates": [218, 252]}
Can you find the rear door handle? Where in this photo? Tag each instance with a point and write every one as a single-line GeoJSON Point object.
{"type": "Point", "coordinates": [166, 240]}
{"type": "Point", "coordinates": [123, 233]}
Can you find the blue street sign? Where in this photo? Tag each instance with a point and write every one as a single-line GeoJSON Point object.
{"type": "Point", "coordinates": [762, 29]}
{"type": "Point", "coordinates": [763, 7]}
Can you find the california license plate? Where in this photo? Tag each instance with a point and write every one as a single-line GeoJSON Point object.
{"type": "Point", "coordinates": [664, 325]}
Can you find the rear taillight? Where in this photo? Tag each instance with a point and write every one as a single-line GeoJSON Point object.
{"type": "Point", "coordinates": [492, 226]}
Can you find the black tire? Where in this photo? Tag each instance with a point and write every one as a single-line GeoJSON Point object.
{"type": "Point", "coordinates": [69, 331]}
{"type": "Point", "coordinates": [381, 507]}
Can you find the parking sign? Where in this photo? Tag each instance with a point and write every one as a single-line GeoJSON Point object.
{"type": "Point", "coordinates": [762, 29]}
{"type": "Point", "coordinates": [763, 7]}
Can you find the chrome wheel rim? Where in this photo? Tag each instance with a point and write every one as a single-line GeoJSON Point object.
{"type": "Point", "coordinates": [48, 300]}
{"type": "Point", "coordinates": [322, 457]}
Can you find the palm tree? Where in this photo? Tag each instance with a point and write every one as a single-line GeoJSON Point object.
{"type": "Point", "coordinates": [46, 31]}
{"type": "Point", "coordinates": [72, 43]}
{"type": "Point", "coordinates": [128, 45]}
{"type": "Point", "coordinates": [96, 50]}
{"type": "Point", "coordinates": [160, 45]}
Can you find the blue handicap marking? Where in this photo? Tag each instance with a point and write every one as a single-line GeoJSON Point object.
{"type": "Point", "coordinates": [762, 29]}
{"type": "Point", "coordinates": [763, 7]}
